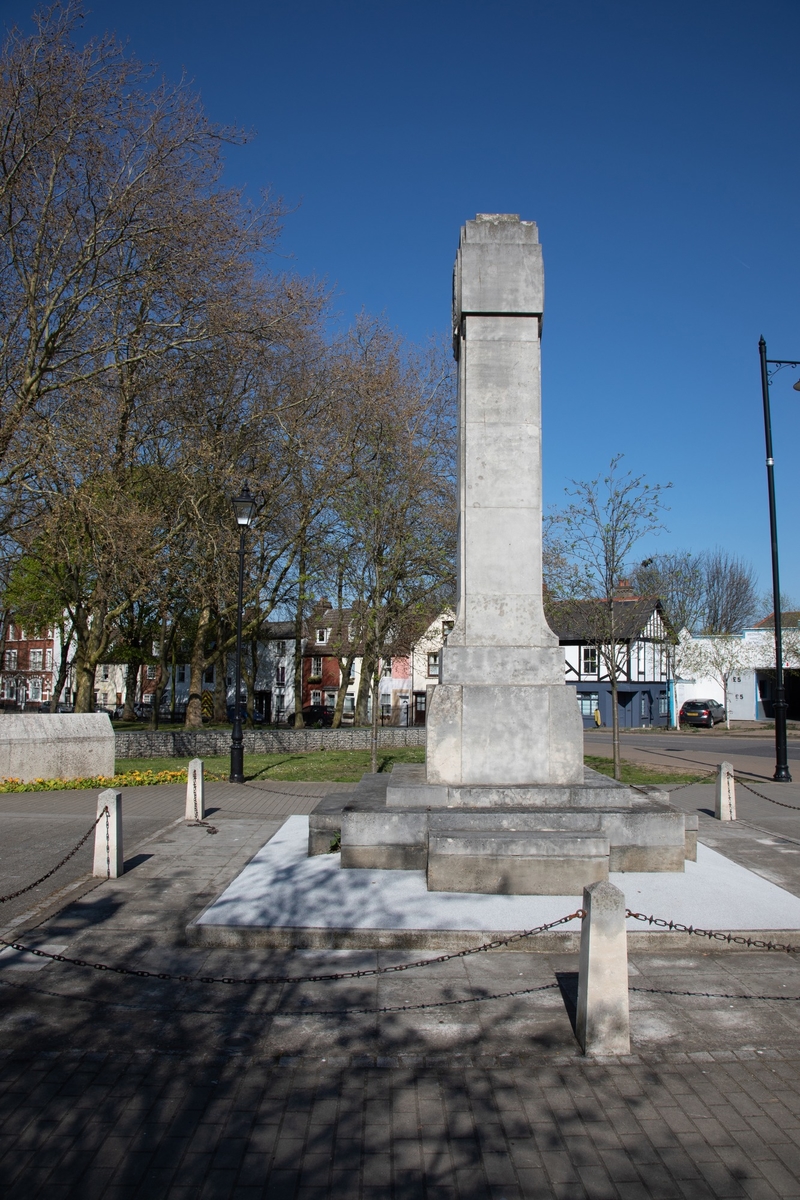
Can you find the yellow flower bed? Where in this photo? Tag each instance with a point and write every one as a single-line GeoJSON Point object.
{"type": "Point", "coordinates": [131, 779]}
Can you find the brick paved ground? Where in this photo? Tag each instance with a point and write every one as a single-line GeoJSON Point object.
{"type": "Point", "coordinates": [115, 1087]}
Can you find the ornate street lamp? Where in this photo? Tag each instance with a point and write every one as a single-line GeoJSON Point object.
{"type": "Point", "coordinates": [781, 753]}
{"type": "Point", "coordinates": [244, 507]}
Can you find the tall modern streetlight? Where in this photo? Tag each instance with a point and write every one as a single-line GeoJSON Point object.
{"type": "Point", "coordinates": [244, 507]}
{"type": "Point", "coordinates": [781, 755]}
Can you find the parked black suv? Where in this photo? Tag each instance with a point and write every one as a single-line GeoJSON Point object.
{"type": "Point", "coordinates": [702, 712]}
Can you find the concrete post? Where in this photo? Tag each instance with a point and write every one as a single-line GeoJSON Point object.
{"type": "Point", "coordinates": [603, 1025]}
{"type": "Point", "coordinates": [108, 861]}
{"type": "Point", "coordinates": [726, 793]}
{"type": "Point", "coordinates": [195, 791]}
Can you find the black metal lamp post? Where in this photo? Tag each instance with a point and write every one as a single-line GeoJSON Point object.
{"type": "Point", "coordinates": [245, 508]}
{"type": "Point", "coordinates": [781, 754]}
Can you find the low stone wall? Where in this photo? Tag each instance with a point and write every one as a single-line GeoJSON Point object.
{"type": "Point", "coordinates": [55, 745]}
{"type": "Point", "coordinates": [186, 743]}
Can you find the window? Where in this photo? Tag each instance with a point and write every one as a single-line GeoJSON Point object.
{"type": "Point", "coordinates": [316, 666]}
{"type": "Point", "coordinates": [322, 636]}
{"type": "Point", "coordinates": [35, 660]}
{"type": "Point", "coordinates": [447, 627]}
{"type": "Point", "coordinates": [35, 689]}
{"type": "Point", "coordinates": [316, 697]}
{"type": "Point", "coordinates": [663, 705]}
{"type": "Point", "coordinates": [280, 649]}
{"type": "Point", "coordinates": [208, 676]}
{"type": "Point", "coordinates": [588, 702]}
{"type": "Point", "coordinates": [9, 689]}
{"type": "Point", "coordinates": [387, 668]}
{"type": "Point", "coordinates": [105, 672]}
{"type": "Point", "coordinates": [386, 704]}
{"type": "Point", "coordinates": [181, 674]}
{"type": "Point", "coordinates": [10, 661]}
{"type": "Point", "coordinates": [588, 660]}
{"type": "Point", "coordinates": [48, 660]}
{"type": "Point", "coordinates": [280, 674]}
{"type": "Point", "coordinates": [352, 674]}
{"type": "Point", "coordinates": [433, 665]}
{"type": "Point", "coordinates": [151, 672]}
{"type": "Point", "coordinates": [278, 700]}
{"type": "Point", "coordinates": [349, 703]}
{"type": "Point", "coordinates": [330, 699]}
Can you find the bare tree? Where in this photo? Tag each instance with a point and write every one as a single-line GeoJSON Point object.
{"type": "Point", "coordinates": [731, 595]}
{"type": "Point", "coordinates": [678, 579]}
{"type": "Point", "coordinates": [598, 531]}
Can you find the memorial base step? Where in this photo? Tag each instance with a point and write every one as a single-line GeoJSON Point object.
{"type": "Point", "coordinates": [519, 864]}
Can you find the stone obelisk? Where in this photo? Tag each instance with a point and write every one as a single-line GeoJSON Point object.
{"type": "Point", "coordinates": [501, 713]}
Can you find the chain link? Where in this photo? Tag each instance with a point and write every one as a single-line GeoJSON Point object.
{"type": "Point", "coordinates": [762, 796]}
{"type": "Point", "coordinates": [713, 934]}
{"type": "Point", "coordinates": [365, 974]}
{"type": "Point", "coordinates": [108, 843]}
{"type": "Point", "coordinates": [280, 1012]}
{"type": "Point", "coordinates": [65, 859]}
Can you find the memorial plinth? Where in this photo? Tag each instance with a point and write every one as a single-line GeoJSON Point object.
{"type": "Point", "coordinates": [503, 803]}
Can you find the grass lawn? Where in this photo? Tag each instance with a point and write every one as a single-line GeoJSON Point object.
{"type": "Point", "coordinates": [310, 766]}
{"type": "Point", "coordinates": [636, 773]}
{"type": "Point", "coordinates": [347, 766]}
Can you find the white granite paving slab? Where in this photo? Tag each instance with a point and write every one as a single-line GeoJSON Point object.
{"type": "Point", "coordinates": [282, 887]}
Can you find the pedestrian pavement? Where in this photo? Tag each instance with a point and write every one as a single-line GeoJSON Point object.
{"type": "Point", "coordinates": [459, 1079]}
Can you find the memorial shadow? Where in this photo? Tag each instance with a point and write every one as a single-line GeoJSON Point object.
{"type": "Point", "coordinates": [568, 986]}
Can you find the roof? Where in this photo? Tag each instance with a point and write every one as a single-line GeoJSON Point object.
{"type": "Point", "coordinates": [279, 629]}
{"type": "Point", "coordinates": [787, 619]}
{"type": "Point", "coordinates": [585, 620]}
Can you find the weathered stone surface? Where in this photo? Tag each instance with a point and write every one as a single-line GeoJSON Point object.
{"type": "Point", "coordinates": [603, 1023]}
{"type": "Point", "coordinates": [725, 793]}
{"type": "Point", "coordinates": [108, 850]}
{"type": "Point", "coordinates": [55, 745]}
{"type": "Point", "coordinates": [516, 863]}
{"type": "Point", "coordinates": [501, 715]}
{"type": "Point", "coordinates": [195, 791]}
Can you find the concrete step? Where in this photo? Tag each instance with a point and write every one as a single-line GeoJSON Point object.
{"type": "Point", "coordinates": [516, 863]}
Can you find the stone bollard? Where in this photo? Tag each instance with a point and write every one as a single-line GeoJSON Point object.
{"type": "Point", "coordinates": [195, 792]}
{"type": "Point", "coordinates": [108, 862]}
{"type": "Point", "coordinates": [726, 793]}
{"type": "Point", "coordinates": [603, 1025]}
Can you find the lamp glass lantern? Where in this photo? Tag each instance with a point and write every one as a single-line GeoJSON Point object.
{"type": "Point", "coordinates": [245, 508]}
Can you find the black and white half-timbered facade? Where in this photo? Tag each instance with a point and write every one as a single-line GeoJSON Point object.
{"type": "Point", "coordinates": [643, 638]}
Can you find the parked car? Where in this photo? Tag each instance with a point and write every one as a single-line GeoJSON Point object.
{"type": "Point", "coordinates": [317, 714]}
{"type": "Point", "coordinates": [702, 712]}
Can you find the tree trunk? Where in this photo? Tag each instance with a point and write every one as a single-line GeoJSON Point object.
{"type": "Point", "coordinates": [92, 641]}
{"type": "Point", "coordinates": [345, 665]}
{"type": "Point", "coordinates": [132, 670]}
{"type": "Point", "coordinates": [197, 665]}
{"type": "Point", "coordinates": [367, 668]}
{"type": "Point", "coordinates": [221, 679]}
{"type": "Point", "coordinates": [63, 666]}
{"type": "Point", "coordinates": [298, 638]}
{"type": "Point", "coordinates": [373, 740]}
{"type": "Point", "coordinates": [615, 727]}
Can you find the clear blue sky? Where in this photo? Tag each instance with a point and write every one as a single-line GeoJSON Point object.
{"type": "Point", "coordinates": [656, 144]}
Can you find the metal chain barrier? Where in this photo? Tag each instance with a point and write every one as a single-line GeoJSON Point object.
{"type": "Point", "coordinates": [197, 823]}
{"type": "Point", "coordinates": [66, 858]}
{"type": "Point", "coordinates": [712, 934]}
{"type": "Point", "coordinates": [707, 995]}
{"type": "Point", "coordinates": [299, 1012]}
{"type": "Point", "coordinates": [365, 974]}
{"type": "Point", "coordinates": [762, 796]}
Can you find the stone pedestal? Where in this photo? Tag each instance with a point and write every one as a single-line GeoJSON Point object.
{"type": "Point", "coordinates": [503, 804]}
{"type": "Point", "coordinates": [501, 713]}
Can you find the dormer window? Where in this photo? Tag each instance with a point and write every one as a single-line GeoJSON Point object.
{"type": "Point", "coordinates": [322, 636]}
